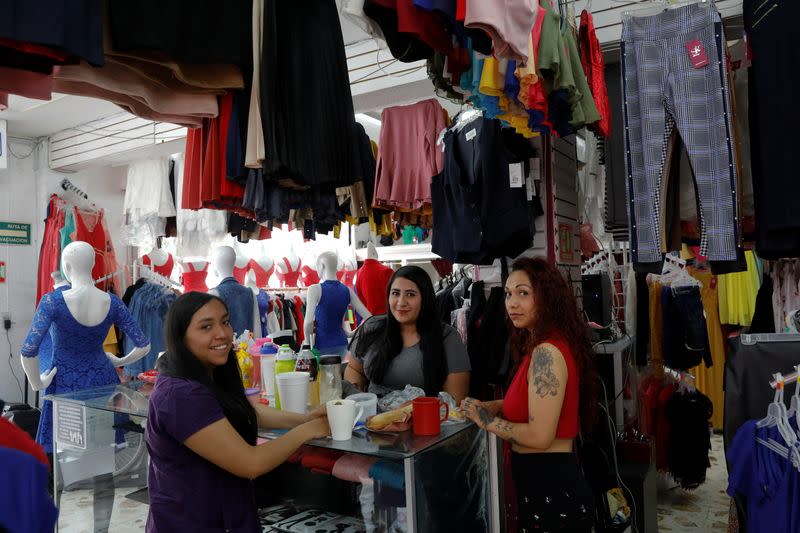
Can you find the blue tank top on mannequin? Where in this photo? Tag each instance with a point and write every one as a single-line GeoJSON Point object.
{"type": "Point", "coordinates": [329, 314]}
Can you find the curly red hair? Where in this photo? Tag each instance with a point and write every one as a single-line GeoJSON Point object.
{"type": "Point", "coordinates": [558, 314]}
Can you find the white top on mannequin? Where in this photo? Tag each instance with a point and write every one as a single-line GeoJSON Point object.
{"type": "Point", "coordinates": [87, 304]}
{"type": "Point", "coordinates": [158, 257]}
{"type": "Point", "coordinates": [250, 283]}
{"type": "Point", "coordinates": [372, 252]}
{"type": "Point", "coordinates": [326, 266]}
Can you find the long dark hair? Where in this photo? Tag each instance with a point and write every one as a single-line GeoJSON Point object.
{"type": "Point", "coordinates": [557, 314]}
{"type": "Point", "coordinates": [388, 342]}
{"type": "Point", "coordinates": [225, 381]}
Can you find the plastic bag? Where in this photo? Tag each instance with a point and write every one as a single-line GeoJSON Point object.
{"type": "Point", "coordinates": [395, 399]}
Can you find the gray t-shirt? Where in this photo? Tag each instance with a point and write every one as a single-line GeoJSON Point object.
{"type": "Point", "coordinates": [406, 367]}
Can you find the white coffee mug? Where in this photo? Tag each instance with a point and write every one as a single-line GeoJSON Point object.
{"type": "Point", "coordinates": [342, 418]}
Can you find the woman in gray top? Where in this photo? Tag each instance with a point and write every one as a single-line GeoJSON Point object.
{"type": "Point", "coordinates": [409, 345]}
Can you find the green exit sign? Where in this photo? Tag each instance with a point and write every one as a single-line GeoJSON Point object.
{"type": "Point", "coordinates": [15, 233]}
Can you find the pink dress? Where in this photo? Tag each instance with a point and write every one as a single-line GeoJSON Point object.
{"type": "Point", "coordinates": [408, 156]}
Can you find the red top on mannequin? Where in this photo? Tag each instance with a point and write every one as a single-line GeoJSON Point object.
{"type": "Point", "coordinates": [371, 282]}
{"type": "Point", "coordinates": [165, 269]}
{"type": "Point", "coordinates": [194, 280]}
{"type": "Point", "coordinates": [288, 279]}
{"type": "Point", "coordinates": [262, 274]}
{"type": "Point", "coordinates": [309, 275]}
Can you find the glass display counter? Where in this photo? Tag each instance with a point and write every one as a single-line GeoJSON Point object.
{"type": "Point", "coordinates": [400, 482]}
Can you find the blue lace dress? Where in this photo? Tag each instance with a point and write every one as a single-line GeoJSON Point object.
{"type": "Point", "coordinates": [77, 351]}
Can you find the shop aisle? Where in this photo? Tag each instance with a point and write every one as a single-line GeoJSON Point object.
{"type": "Point", "coordinates": [704, 509]}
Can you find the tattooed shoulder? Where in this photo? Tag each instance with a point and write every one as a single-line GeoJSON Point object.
{"type": "Point", "coordinates": [544, 379]}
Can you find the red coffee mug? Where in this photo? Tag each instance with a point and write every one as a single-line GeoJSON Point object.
{"type": "Point", "coordinates": [427, 415]}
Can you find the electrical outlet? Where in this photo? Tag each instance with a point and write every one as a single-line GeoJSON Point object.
{"type": "Point", "coordinates": [6, 321]}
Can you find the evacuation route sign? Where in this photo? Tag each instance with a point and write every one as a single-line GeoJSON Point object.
{"type": "Point", "coordinates": [15, 233]}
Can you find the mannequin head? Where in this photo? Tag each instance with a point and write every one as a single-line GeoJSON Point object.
{"type": "Point", "coordinates": [77, 261]}
{"type": "Point", "coordinates": [223, 259]}
{"type": "Point", "coordinates": [326, 265]}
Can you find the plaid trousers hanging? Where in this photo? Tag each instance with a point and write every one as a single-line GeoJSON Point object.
{"type": "Point", "coordinates": [674, 74]}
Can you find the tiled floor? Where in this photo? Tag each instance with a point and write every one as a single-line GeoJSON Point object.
{"type": "Point", "coordinates": [702, 510]}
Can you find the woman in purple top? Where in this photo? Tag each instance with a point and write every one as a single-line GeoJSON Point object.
{"type": "Point", "coordinates": [201, 430]}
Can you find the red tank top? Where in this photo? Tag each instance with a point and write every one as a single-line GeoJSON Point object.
{"type": "Point", "coordinates": [515, 404]}
{"type": "Point", "coordinates": [262, 274]}
{"type": "Point", "coordinates": [309, 275]}
{"type": "Point", "coordinates": [165, 269]}
{"type": "Point", "coordinates": [194, 280]}
{"type": "Point", "coordinates": [289, 279]}
{"type": "Point", "coordinates": [96, 236]}
{"type": "Point", "coordinates": [240, 273]}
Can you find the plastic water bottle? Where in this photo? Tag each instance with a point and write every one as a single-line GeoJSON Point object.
{"type": "Point", "coordinates": [284, 362]}
{"type": "Point", "coordinates": [307, 362]}
{"type": "Point", "coordinates": [268, 351]}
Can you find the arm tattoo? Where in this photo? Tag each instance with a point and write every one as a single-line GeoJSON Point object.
{"type": "Point", "coordinates": [544, 379]}
{"type": "Point", "coordinates": [507, 428]}
{"type": "Point", "coordinates": [485, 416]}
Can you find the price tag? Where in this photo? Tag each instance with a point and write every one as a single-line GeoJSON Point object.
{"type": "Point", "coordinates": [515, 171]}
{"type": "Point", "coordinates": [471, 134]}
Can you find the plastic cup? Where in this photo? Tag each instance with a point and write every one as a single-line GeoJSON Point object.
{"type": "Point", "coordinates": [293, 391]}
{"type": "Point", "coordinates": [268, 376]}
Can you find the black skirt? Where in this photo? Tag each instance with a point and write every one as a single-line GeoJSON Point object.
{"type": "Point", "coordinates": [306, 105]}
{"type": "Point", "coordinates": [552, 494]}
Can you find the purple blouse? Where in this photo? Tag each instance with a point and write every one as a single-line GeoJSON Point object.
{"type": "Point", "coordinates": [187, 492]}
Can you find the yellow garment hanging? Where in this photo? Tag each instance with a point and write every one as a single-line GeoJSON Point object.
{"type": "Point", "coordinates": [737, 293]}
{"type": "Point", "coordinates": [656, 323]}
{"type": "Point", "coordinates": [709, 381]}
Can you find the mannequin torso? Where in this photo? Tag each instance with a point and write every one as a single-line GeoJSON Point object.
{"type": "Point", "coordinates": [79, 319]}
{"type": "Point", "coordinates": [326, 306]}
{"type": "Point", "coordinates": [193, 276]}
{"type": "Point", "coordinates": [237, 297]}
{"type": "Point", "coordinates": [287, 269]}
{"type": "Point", "coordinates": [263, 267]}
{"type": "Point", "coordinates": [160, 261]}
{"type": "Point", "coordinates": [240, 267]}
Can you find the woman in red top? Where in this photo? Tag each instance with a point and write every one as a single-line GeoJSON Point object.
{"type": "Point", "coordinates": [551, 397]}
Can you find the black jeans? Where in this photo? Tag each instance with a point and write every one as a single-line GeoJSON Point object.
{"type": "Point", "coordinates": [687, 342]}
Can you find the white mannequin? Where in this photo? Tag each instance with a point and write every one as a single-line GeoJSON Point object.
{"type": "Point", "coordinates": [326, 266]}
{"type": "Point", "coordinates": [223, 259]}
{"type": "Point", "coordinates": [158, 257]}
{"type": "Point", "coordinates": [250, 283]}
{"type": "Point", "coordinates": [87, 304]}
{"type": "Point", "coordinates": [241, 261]}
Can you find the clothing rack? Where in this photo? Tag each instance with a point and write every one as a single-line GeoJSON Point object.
{"type": "Point", "coordinates": [680, 375]}
{"type": "Point", "coordinates": [146, 272]}
{"type": "Point", "coordinates": [109, 276]}
{"type": "Point", "coordinates": [76, 195]}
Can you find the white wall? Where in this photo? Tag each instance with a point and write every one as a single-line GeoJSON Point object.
{"type": "Point", "coordinates": [25, 188]}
